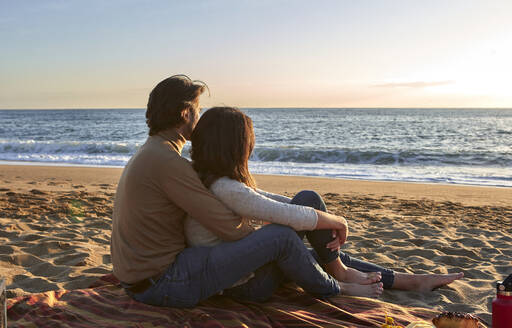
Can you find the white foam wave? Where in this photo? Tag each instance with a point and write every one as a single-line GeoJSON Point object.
{"type": "Point", "coordinates": [96, 159]}
{"type": "Point", "coordinates": [67, 147]}
{"type": "Point", "coordinates": [501, 177]}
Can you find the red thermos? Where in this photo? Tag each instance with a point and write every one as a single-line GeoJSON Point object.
{"type": "Point", "coordinates": [502, 305]}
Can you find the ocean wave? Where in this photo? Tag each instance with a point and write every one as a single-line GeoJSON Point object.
{"type": "Point", "coordinates": [67, 147]}
{"type": "Point", "coordinates": [399, 158]}
{"type": "Point", "coordinates": [111, 151]}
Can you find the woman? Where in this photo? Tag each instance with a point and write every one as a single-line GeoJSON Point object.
{"type": "Point", "coordinates": [222, 143]}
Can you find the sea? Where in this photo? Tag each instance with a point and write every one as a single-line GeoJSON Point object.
{"type": "Point", "coordinates": [449, 146]}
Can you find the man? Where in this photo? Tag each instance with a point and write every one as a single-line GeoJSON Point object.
{"type": "Point", "coordinates": [158, 188]}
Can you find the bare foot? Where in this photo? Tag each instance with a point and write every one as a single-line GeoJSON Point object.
{"type": "Point", "coordinates": [373, 290]}
{"type": "Point", "coordinates": [424, 282]}
{"type": "Point", "coordinates": [362, 278]}
{"type": "Point", "coordinates": [433, 281]}
{"type": "Point", "coordinates": [341, 272]}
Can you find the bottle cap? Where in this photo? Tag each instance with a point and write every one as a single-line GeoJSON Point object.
{"type": "Point", "coordinates": [505, 287]}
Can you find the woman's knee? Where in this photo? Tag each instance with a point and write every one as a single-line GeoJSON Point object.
{"type": "Point", "coordinates": [309, 198]}
{"type": "Point", "coordinates": [319, 239]}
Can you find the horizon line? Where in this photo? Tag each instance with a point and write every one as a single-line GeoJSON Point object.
{"type": "Point", "coordinates": [269, 107]}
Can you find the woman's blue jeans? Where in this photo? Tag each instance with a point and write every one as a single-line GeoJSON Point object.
{"type": "Point", "coordinates": [319, 238]}
{"type": "Point", "coordinates": [274, 253]}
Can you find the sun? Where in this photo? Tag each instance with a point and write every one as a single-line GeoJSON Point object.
{"type": "Point", "coordinates": [484, 70]}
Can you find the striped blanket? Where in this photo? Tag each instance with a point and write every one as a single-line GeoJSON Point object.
{"type": "Point", "coordinates": [105, 304]}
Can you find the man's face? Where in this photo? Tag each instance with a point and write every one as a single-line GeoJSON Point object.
{"type": "Point", "coordinates": [192, 116]}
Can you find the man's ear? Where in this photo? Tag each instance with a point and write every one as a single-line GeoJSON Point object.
{"type": "Point", "coordinates": [185, 115]}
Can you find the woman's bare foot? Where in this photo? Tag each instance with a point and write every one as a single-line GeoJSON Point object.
{"type": "Point", "coordinates": [372, 290]}
{"type": "Point", "coordinates": [362, 278]}
{"type": "Point", "coordinates": [424, 282]}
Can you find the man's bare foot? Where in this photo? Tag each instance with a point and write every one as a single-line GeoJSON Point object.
{"type": "Point", "coordinates": [341, 272]}
{"type": "Point", "coordinates": [424, 282]}
{"type": "Point", "coordinates": [373, 290]}
{"type": "Point", "coordinates": [362, 278]}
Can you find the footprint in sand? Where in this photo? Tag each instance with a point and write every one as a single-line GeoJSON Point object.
{"type": "Point", "coordinates": [9, 234]}
{"type": "Point", "coordinates": [48, 270]}
{"type": "Point", "coordinates": [489, 251]}
{"type": "Point", "coordinates": [32, 285]}
{"type": "Point", "coordinates": [478, 273]}
{"type": "Point", "coordinates": [39, 227]}
{"type": "Point", "coordinates": [79, 282]}
{"type": "Point", "coordinates": [101, 241]}
{"type": "Point", "coordinates": [24, 260]}
{"type": "Point", "coordinates": [503, 270]}
{"type": "Point", "coordinates": [5, 249]}
{"type": "Point", "coordinates": [55, 183]}
{"type": "Point", "coordinates": [97, 199]}
{"type": "Point", "coordinates": [31, 237]}
{"type": "Point", "coordinates": [460, 252]}
{"type": "Point", "coordinates": [47, 248]}
{"type": "Point", "coordinates": [472, 242]}
{"type": "Point", "coordinates": [394, 234]}
{"type": "Point", "coordinates": [107, 259]}
{"type": "Point", "coordinates": [37, 192]}
{"type": "Point", "coordinates": [66, 235]}
{"type": "Point", "coordinates": [423, 253]}
{"type": "Point", "coordinates": [97, 270]}
{"type": "Point", "coordinates": [77, 259]}
{"type": "Point", "coordinates": [400, 243]}
{"type": "Point", "coordinates": [99, 225]}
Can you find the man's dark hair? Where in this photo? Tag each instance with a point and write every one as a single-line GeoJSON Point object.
{"type": "Point", "coordinates": [169, 99]}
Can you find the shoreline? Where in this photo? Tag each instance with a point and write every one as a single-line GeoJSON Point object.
{"type": "Point", "coordinates": [71, 165]}
{"type": "Point", "coordinates": [55, 226]}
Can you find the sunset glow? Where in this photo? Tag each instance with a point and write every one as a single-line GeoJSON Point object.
{"type": "Point", "coordinates": [65, 54]}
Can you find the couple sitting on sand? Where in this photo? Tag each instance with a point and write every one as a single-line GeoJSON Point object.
{"type": "Point", "coordinates": [181, 230]}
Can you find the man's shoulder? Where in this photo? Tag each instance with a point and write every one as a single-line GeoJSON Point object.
{"type": "Point", "coordinates": [157, 154]}
{"type": "Point", "coordinates": [159, 148]}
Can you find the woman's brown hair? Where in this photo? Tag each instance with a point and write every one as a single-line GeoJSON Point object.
{"type": "Point", "coordinates": [222, 143]}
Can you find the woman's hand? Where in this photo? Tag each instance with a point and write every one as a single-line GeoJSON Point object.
{"type": "Point", "coordinates": [336, 223]}
{"type": "Point", "coordinates": [340, 237]}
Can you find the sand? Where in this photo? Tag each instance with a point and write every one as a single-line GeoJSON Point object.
{"type": "Point", "coordinates": [55, 230]}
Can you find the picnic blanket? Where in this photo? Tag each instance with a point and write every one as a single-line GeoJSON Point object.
{"type": "Point", "coordinates": [105, 304]}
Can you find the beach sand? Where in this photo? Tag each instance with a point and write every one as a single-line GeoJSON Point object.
{"type": "Point", "coordinates": [55, 230]}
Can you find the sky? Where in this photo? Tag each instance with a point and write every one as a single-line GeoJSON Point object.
{"type": "Point", "coordinates": [111, 53]}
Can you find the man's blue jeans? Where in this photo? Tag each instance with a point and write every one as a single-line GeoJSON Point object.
{"type": "Point", "coordinates": [274, 253]}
